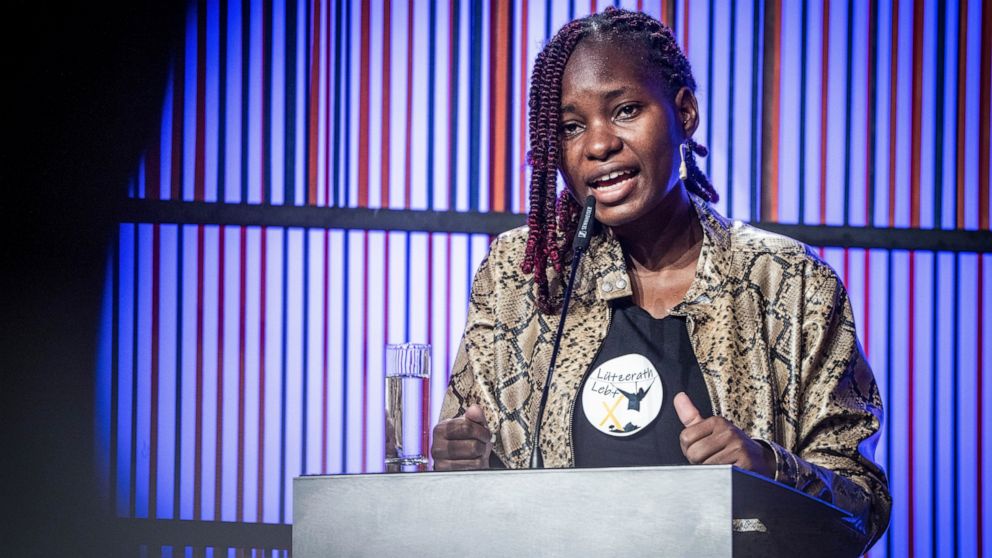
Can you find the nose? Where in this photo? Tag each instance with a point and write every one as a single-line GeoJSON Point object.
{"type": "Point", "coordinates": [601, 142]}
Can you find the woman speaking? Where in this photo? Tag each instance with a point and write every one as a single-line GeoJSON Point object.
{"type": "Point", "coordinates": [689, 339]}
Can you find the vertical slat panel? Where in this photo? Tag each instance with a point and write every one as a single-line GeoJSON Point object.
{"type": "Point", "coordinates": [790, 111]}
{"type": "Point", "coordinates": [273, 272]}
{"type": "Point", "coordinates": [295, 355]}
{"type": "Point", "coordinates": [314, 339]}
{"type": "Point", "coordinates": [771, 109]}
{"type": "Point", "coordinates": [943, 430]}
{"type": "Point", "coordinates": [241, 357]}
{"type": "Point", "coordinates": [739, 112]}
{"type": "Point", "coordinates": [166, 385]}
{"type": "Point", "coordinates": [127, 375]}
{"type": "Point", "coordinates": [376, 284]}
{"type": "Point", "coordinates": [211, 395]}
{"type": "Point", "coordinates": [187, 371]}
{"type": "Point", "coordinates": [876, 337]}
{"type": "Point", "coordinates": [336, 393]}
{"type": "Point", "coordinates": [984, 517]}
{"type": "Point", "coordinates": [857, 41]}
{"type": "Point", "coordinates": [249, 410]}
{"type": "Point", "coordinates": [898, 465]}
{"type": "Point", "coordinates": [967, 408]}
{"type": "Point", "coordinates": [228, 364]}
{"type": "Point", "coordinates": [921, 373]}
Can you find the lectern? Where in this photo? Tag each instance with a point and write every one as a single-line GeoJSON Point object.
{"type": "Point", "coordinates": [696, 511]}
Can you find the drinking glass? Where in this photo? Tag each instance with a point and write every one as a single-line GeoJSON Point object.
{"type": "Point", "coordinates": [408, 408]}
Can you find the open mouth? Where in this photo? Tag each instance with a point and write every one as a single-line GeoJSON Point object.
{"type": "Point", "coordinates": [613, 178]}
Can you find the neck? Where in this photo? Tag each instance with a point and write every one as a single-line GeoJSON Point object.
{"type": "Point", "coordinates": [669, 238]}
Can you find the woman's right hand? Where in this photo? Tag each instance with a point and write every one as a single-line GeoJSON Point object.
{"type": "Point", "coordinates": [462, 443]}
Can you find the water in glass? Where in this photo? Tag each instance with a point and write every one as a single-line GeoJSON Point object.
{"type": "Point", "coordinates": [408, 369]}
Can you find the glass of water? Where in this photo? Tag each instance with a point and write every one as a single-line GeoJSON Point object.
{"type": "Point", "coordinates": [408, 406]}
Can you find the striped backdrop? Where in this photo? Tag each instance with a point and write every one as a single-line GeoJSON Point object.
{"type": "Point", "coordinates": [235, 358]}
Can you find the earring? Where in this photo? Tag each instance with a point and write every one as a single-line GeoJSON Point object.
{"type": "Point", "coordinates": [683, 168]}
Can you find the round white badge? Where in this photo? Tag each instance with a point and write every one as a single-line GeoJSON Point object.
{"type": "Point", "coordinates": [623, 395]}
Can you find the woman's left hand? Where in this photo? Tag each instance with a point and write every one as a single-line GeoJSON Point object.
{"type": "Point", "coordinates": [716, 441]}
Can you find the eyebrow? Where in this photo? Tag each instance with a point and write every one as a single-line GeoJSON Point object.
{"type": "Point", "coordinates": [608, 96]}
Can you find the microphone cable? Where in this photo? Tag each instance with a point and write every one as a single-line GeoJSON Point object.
{"type": "Point", "coordinates": [581, 241]}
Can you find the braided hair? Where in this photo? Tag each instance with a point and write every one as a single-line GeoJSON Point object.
{"type": "Point", "coordinates": [552, 223]}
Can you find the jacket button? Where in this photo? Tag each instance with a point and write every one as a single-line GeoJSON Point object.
{"type": "Point", "coordinates": [607, 286]}
{"type": "Point", "coordinates": [621, 283]}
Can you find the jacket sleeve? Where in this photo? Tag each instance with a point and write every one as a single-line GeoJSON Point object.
{"type": "Point", "coordinates": [842, 412]}
{"type": "Point", "coordinates": [468, 383]}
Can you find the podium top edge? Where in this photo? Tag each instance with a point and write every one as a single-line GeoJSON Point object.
{"type": "Point", "coordinates": [722, 469]}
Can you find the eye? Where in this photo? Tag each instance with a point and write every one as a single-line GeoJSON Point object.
{"type": "Point", "coordinates": [628, 111]}
{"type": "Point", "coordinates": [569, 129]}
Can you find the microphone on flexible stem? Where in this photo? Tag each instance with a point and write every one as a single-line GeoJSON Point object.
{"type": "Point", "coordinates": [580, 243]}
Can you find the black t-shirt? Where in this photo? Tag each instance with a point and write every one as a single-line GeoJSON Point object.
{"type": "Point", "coordinates": [625, 414]}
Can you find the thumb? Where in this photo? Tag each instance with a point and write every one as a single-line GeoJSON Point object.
{"type": "Point", "coordinates": [688, 413]}
{"type": "Point", "coordinates": [474, 413]}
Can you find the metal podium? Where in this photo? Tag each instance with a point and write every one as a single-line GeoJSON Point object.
{"type": "Point", "coordinates": [697, 511]}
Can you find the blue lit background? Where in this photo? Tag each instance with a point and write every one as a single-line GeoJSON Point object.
{"type": "Point", "coordinates": [235, 358]}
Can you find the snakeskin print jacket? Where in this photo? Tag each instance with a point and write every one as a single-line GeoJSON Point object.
{"type": "Point", "coordinates": [772, 329]}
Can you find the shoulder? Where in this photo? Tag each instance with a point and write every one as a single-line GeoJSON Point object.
{"type": "Point", "coordinates": [749, 239]}
{"type": "Point", "coordinates": [755, 246]}
{"type": "Point", "coordinates": [510, 243]}
{"type": "Point", "coordinates": [506, 252]}
{"type": "Point", "coordinates": [741, 249]}
{"type": "Point", "coordinates": [501, 267]}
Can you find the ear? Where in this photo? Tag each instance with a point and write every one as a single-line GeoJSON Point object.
{"type": "Point", "coordinates": [687, 111]}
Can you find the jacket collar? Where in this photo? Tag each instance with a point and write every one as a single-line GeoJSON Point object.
{"type": "Point", "coordinates": [607, 275]}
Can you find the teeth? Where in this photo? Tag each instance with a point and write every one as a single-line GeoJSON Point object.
{"type": "Point", "coordinates": [612, 175]}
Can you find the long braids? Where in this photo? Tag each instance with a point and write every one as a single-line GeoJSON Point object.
{"type": "Point", "coordinates": [552, 222]}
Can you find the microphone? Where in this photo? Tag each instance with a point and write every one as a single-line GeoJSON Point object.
{"type": "Point", "coordinates": [579, 244]}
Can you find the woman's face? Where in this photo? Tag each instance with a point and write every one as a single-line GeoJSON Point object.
{"type": "Point", "coordinates": [620, 134]}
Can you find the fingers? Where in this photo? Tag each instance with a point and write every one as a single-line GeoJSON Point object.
{"type": "Point", "coordinates": [692, 434]}
{"type": "Point", "coordinates": [474, 413]}
{"type": "Point", "coordinates": [702, 439]}
{"type": "Point", "coordinates": [462, 429]}
{"type": "Point", "coordinates": [461, 465]}
{"type": "Point", "coordinates": [462, 443]}
{"type": "Point", "coordinates": [458, 449]}
{"type": "Point", "coordinates": [746, 454]}
{"type": "Point", "coordinates": [460, 455]}
{"type": "Point", "coordinates": [730, 455]}
{"type": "Point", "coordinates": [687, 412]}
{"type": "Point", "coordinates": [707, 439]}
{"type": "Point", "coordinates": [716, 441]}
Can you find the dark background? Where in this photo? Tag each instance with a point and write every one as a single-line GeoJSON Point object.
{"type": "Point", "coordinates": [87, 82]}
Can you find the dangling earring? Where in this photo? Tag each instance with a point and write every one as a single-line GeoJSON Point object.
{"type": "Point", "coordinates": [683, 168]}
